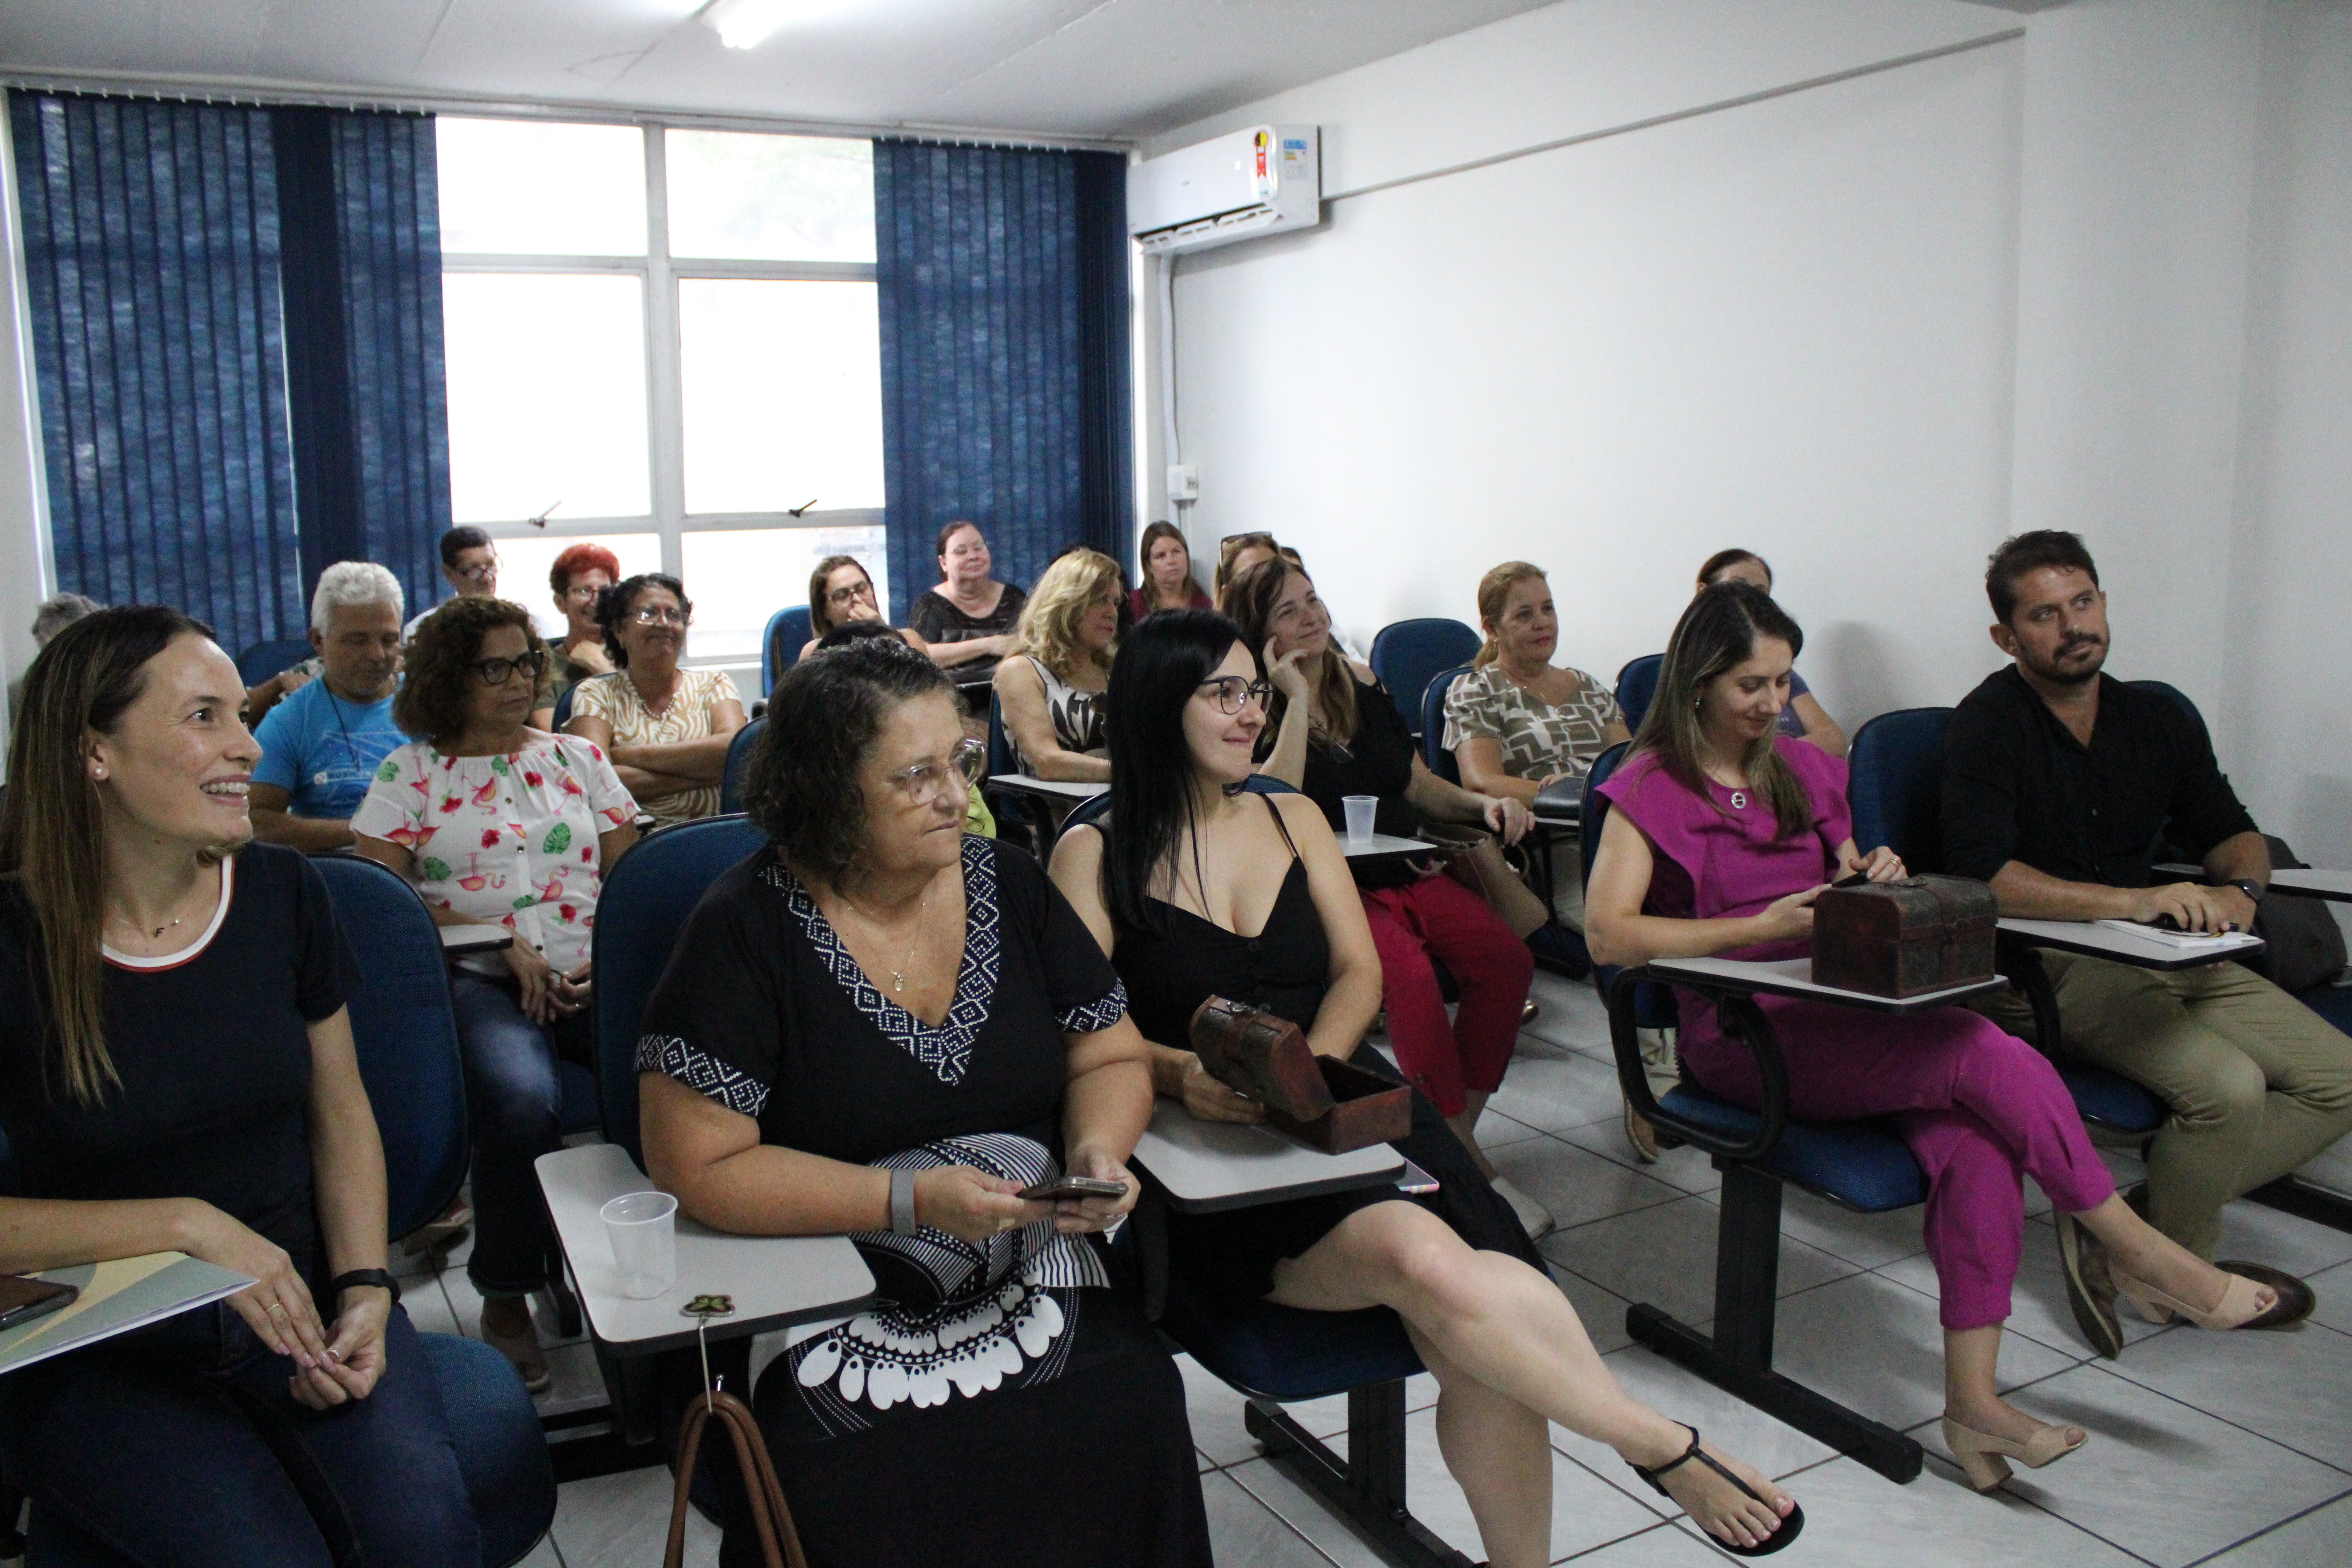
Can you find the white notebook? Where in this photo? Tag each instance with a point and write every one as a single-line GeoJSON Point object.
{"type": "Point", "coordinates": [2186, 940]}
{"type": "Point", "coordinates": [116, 1296]}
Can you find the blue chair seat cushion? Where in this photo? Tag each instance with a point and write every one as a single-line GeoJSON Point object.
{"type": "Point", "coordinates": [1285, 1354]}
{"type": "Point", "coordinates": [2111, 1100]}
{"type": "Point", "coordinates": [1860, 1166]}
{"type": "Point", "coordinates": [2332, 1003]}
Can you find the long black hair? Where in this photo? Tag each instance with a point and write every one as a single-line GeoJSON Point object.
{"type": "Point", "coordinates": [1159, 669]}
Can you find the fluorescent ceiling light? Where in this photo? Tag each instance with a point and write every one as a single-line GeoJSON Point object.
{"type": "Point", "coordinates": [746, 23]}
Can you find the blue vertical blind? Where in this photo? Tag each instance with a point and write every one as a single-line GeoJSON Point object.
{"type": "Point", "coordinates": [151, 256]}
{"type": "Point", "coordinates": [1001, 276]}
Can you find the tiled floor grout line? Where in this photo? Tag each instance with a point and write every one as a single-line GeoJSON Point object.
{"type": "Point", "coordinates": [2269, 1529]}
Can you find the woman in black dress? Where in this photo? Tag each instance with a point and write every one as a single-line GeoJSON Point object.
{"type": "Point", "coordinates": [1183, 865]}
{"type": "Point", "coordinates": [881, 1026]}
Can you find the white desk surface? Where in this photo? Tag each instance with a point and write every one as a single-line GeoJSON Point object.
{"type": "Point", "coordinates": [475, 939]}
{"type": "Point", "coordinates": [1381, 844]}
{"type": "Point", "coordinates": [1055, 789]}
{"type": "Point", "coordinates": [776, 1280]}
{"type": "Point", "coordinates": [1570, 820]}
{"type": "Point", "coordinates": [2309, 883]}
{"type": "Point", "coordinates": [1206, 1166]}
{"type": "Point", "coordinates": [2097, 940]}
{"type": "Point", "coordinates": [1795, 977]}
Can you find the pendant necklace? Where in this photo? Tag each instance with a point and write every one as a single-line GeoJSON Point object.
{"type": "Point", "coordinates": [1740, 800]}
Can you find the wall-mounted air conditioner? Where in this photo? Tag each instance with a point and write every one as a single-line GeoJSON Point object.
{"type": "Point", "coordinates": [1265, 180]}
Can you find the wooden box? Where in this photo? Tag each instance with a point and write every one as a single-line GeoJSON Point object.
{"type": "Point", "coordinates": [1904, 938]}
{"type": "Point", "coordinates": [1324, 1103]}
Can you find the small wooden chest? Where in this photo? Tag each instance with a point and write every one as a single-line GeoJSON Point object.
{"type": "Point", "coordinates": [1904, 938]}
{"type": "Point", "coordinates": [1323, 1102]}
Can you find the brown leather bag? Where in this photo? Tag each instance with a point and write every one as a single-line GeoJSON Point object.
{"type": "Point", "coordinates": [779, 1543]}
{"type": "Point", "coordinates": [1475, 857]}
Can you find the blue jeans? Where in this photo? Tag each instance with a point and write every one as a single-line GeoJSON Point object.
{"type": "Point", "coordinates": [164, 1457]}
{"type": "Point", "coordinates": [515, 1098]}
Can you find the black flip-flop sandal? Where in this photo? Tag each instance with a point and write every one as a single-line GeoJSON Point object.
{"type": "Point", "coordinates": [1790, 1527]}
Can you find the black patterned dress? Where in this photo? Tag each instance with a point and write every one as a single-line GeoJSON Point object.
{"type": "Point", "coordinates": [1002, 1403]}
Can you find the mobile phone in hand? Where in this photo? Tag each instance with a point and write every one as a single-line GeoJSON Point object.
{"type": "Point", "coordinates": [23, 1299]}
{"type": "Point", "coordinates": [1062, 1187]}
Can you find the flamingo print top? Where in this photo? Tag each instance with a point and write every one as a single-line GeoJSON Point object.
{"type": "Point", "coordinates": [507, 840]}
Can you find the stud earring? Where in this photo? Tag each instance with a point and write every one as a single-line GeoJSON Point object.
{"type": "Point", "coordinates": [97, 773]}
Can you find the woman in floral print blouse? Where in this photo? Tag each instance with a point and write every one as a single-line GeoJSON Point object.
{"type": "Point", "coordinates": [499, 823]}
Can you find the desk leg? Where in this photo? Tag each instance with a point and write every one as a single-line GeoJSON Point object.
{"type": "Point", "coordinates": [2292, 1194]}
{"type": "Point", "coordinates": [1367, 1489]}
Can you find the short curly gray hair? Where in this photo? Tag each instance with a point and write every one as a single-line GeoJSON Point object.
{"type": "Point", "coordinates": [354, 583]}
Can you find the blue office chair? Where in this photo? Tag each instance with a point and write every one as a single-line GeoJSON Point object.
{"type": "Point", "coordinates": [1432, 724]}
{"type": "Point", "coordinates": [1407, 655]}
{"type": "Point", "coordinates": [738, 763]}
{"type": "Point", "coordinates": [1636, 684]}
{"type": "Point", "coordinates": [264, 660]}
{"type": "Point", "coordinates": [564, 706]}
{"type": "Point", "coordinates": [780, 644]}
{"type": "Point", "coordinates": [648, 894]}
{"type": "Point", "coordinates": [407, 1033]}
{"type": "Point", "coordinates": [1010, 805]}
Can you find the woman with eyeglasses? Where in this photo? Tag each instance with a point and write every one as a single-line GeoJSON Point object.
{"type": "Point", "coordinates": [579, 576]}
{"type": "Point", "coordinates": [842, 592]}
{"type": "Point", "coordinates": [666, 727]}
{"type": "Point", "coordinates": [1196, 888]}
{"type": "Point", "coordinates": [883, 1025]}
{"type": "Point", "coordinates": [499, 823]}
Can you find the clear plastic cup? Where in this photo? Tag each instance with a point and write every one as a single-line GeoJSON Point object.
{"type": "Point", "coordinates": [1360, 809]}
{"type": "Point", "coordinates": [643, 1229]}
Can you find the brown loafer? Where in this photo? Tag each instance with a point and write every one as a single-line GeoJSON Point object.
{"type": "Point", "coordinates": [2296, 1298]}
{"type": "Point", "coordinates": [1642, 1135]}
{"type": "Point", "coordinates": [2090, 1286]}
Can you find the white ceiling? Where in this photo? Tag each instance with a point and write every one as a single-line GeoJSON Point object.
{"type": "Point", "coordinates": [1091, 69]}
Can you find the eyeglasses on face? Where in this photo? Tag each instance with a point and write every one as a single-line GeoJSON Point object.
{"type": "Point", "coordinates": [659, 616]}
{"type": "Point", "coordinates": [924, 782]}
{"type": "Point", "coordinates": [480, 570]}
{"type": "Point", "coordinates": [498, 671]}
{"type": "Point", "coordinates": [1231, 692]}
{"type": "Point", "coordinates": [583, 593]}
{"type": "Point", "coordinates": [851, 593]}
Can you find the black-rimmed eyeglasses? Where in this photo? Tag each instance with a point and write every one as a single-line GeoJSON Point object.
{"type": "Point", "coordinates": [498, 671]}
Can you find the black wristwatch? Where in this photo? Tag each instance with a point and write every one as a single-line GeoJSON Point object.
{"type": "Point", "coordinates": [2251, 888]}
{"type": "Point", "coordinates": [359, 1277]}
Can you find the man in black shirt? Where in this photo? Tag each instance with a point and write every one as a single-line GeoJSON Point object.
{"type": "Point", "coordinates": [2058, 782]}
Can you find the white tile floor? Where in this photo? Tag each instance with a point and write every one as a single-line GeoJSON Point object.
{"type": "Point", "coordinates": [2223, 1450]}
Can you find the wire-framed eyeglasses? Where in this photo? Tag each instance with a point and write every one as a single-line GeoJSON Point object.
{"type": "Point", "coordinates": [1231, 692]}
{"type": "Point", "coordinates": [923, 782]}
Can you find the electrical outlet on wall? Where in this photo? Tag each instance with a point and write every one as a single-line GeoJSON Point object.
{"type": "Point", "coordinates": [1183, 482]}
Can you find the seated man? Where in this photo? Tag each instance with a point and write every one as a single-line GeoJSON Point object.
{"type": "Point", "coordinates": [469, 564]}
{"type": "Point", "coordinates": [322, 746]}
{"type": "Point", "coordinates": [2057, 781]}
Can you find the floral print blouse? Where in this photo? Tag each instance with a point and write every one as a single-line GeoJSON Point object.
{"type": "Point", "coordinates": [507, 840]}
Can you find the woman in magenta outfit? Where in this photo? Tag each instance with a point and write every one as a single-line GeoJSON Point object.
{"type": "Point", "coordinates": [1722, 837]}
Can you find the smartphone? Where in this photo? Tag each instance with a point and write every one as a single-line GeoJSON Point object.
{"type": "Point", "coordinates": [1062, 1187]}
{"type": "Point", "coordinates": [23, 1299]}
{"type": "Point", "coordinates": [1416, 1181]}
{"type": "Point", "coordinates": [1858, 880]}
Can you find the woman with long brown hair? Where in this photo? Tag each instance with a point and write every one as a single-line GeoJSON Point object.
{"type": "Point", "coordinates": [1168, 583]}
{"type": "Point", "coordinates": [178, 1075]}
{"type": "Point", "coordinates": [1804, 718]}
{"type": "Point", "coordinates": [841, 591]}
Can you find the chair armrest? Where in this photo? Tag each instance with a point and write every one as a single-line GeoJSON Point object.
{"type": "Point", "coordinates": [1745, 1022]}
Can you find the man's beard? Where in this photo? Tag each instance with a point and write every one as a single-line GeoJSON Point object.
{"type": "Point", "coordinates": [2058, 674]}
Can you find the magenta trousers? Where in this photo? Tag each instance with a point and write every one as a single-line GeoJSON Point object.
{"type": "Point", "coordinates": [1439, 917]}
{"type": "Point", "coordinates": [1978, 1108]}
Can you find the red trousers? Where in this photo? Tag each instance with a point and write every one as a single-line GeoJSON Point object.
{"type": "Point", "coordinates": [1438, 917]}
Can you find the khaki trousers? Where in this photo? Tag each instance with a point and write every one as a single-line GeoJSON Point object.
{"type": "Point", "coordinates": [2258, 1082]}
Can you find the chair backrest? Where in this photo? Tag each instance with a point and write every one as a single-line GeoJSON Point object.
{"type": "Point", "coordinates": [1896, 784]}
{"type": "Point", "coordinates": [2168, 689]}
{"type": "Point", "coordinates": [738, 763]}
{"type": "Point", "coordinates": [1596, 805]}
{"type": "Point", "coordinates": [1407, 654]}
{"type": "Point", "coordinates": [1637, 683]}
{"type": "Point", "coordinates": [648, 895]}
{"type": "Point", "coordinates": [1000, 757]}
{"type": "Point", "coordinates": [264, 660]}
{"type": "Point", "coordinates": [1087, 813]}
{"type": "Point", "coordinates": [780, 649]}
{"type": "Point", "coordinates": [564, 706]}
{"type": "Point", "coordinates": [406, 1028]}
{"type": "Point", "coordinates": [1432, 724]}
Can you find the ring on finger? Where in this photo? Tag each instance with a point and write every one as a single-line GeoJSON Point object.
{"type": "Point", "coordinates": [275, 1307]}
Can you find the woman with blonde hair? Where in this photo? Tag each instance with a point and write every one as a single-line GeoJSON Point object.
{"type": "Point", "coordinates": [1052, 682]}
{"type": "Point", "coordinates": [1518, 721]}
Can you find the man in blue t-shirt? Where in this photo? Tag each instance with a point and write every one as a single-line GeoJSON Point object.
{"type": "Point", "coordinates": [320, 747]}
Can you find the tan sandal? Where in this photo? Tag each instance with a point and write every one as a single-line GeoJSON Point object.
{"type": "Point", "coordinates": [2239, 1308]}
{"type": "Point", "coordinates": [1984, 1459]}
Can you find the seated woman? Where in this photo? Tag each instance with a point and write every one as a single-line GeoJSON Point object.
{"type": "Point", "coordinates": [1167, 575]}
{"type": "Point", "coordinates": [579, 576]}
{"type": "Point", "coordinates": [880, 1024]}
{"type": "Point", "coordinates": [499, 823]}
{"type": "Point", "coordinates": [663, 727]}
{"type": "Point", "coordinates": [180, 1077]}
{"type": "Point", "coordinates": [1337, 733]}
{"type": "Point", "coordinates": [1198, 890]}
{"type": "Point", "coordinates": [977, 818]}
{"type": "Point", "coordinates": [1050, 686]}
{"type": "Point", "coordinates": [841, 592]}
{"type": "Point", "coordinates": [1238, 553]}
{"type": "Point", "coordinates": [1723, 833]}
{"type": "Point", "coordinates": [1804, 719]}
{"type": "Point", "coordinates": [968, 620]}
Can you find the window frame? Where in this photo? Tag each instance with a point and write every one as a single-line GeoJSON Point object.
{"type": "Point", "coordinates": [660, 274]}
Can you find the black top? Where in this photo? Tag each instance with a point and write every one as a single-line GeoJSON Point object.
{"type": "Point", "coordinates": [2019, 786]}
{"type": "Point", "coordinates": [935, 617]}
{"type": "Point", "coordinates": [214, 1053]}
{"type": "Point", "coordinates": [762, 1009]}
{"type": "Point", "coordinates": [1377, 761]}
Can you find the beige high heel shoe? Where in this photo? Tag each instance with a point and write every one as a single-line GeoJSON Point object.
{"type": "Point", "coordinates": [1984, 1459]}
{"type": "Point", "coordinates": [2236, 1309]}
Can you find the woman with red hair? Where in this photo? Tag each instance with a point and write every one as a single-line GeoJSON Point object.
{"type": "Point", "coordinates": [580, 576]}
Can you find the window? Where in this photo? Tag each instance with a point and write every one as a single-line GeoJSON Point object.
{"type": "Point", "coordinates": [694, 382]}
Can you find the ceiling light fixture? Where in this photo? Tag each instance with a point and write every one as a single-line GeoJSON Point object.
{"type": "Point", "coordinates": [746, 23]}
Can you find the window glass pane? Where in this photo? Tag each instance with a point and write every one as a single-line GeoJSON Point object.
{"type": "Point", "coordinates": [769, 198]}
{"type": "Point", "coordinates": [521, 187]}
{"type": "Point", "coordinates": [784, 394]}
{"type": "Point", "coordinates": [525, 561]}
{"type": "Point", "coordinates": [737, 577]}
{"type": "Point", "coordinates": [547, 394]}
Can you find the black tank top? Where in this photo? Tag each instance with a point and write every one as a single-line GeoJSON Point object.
{"type": "Point", "coordinates": [1286, 968]}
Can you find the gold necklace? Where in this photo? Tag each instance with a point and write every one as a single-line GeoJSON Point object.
{"type": "Point", "coordinates": [898, 976]}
